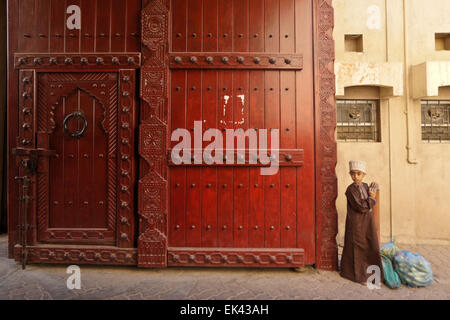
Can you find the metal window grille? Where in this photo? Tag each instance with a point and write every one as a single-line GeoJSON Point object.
{"type": "Point", "coordinates": [436, 120]}
{"type": "Point", "coordinates": [358, 120]}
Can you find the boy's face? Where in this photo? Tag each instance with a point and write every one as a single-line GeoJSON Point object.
{"type": "Point", "coordinates": [357, 176]}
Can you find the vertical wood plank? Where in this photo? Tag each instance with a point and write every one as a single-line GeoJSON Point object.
{"type": "Point", "coordinates": [288, 175]}
{"type": "Point", "coordinates": [288, 208]}
{"type": "Point", "coordinates": [256, 26]}
{"type": "Point", "coordinates": [72, 36]}
{"type": "Point", "coordinates": [195, 25]}
{"type": "Point", "coordinates": [98, 158]}
{"type": "Point", "coordinates": [179, 25]}
{"type": "Point", "coordinates": [103, 35]}
{"type": "Point", "coordinates": [84, 171]}
{"type": "Point", "coordinates": [88, 25]}
{"type": "Point", "coordinates": [210, 25]}
{"type": "Point", "coordinates": [272, 121]}
{"type": "Point", "coordinates": [42, 25]}
{"type": "Point", "coordinates": [57, 168]}
{"type": "Point", "coordinates": [27, 34]}
{"type": "Point", "coordinates": [177, 217]}
{"type": "Point", "coordinates": [272, 25]}
{"type": "Point", "coordinates": [305, 131]}
{"type": "Point", "coordinates": [225, 26]}
{"type": "Point", "coordinates": [241, 175]}
{"type": "Point", "coordinates": [58, 26]}
{"type": "Point", "coordinates": [194, 175]}
{"type": "Point", "coordinates": [69, 218]}
{"type": "Point", "coordinates": [225, 175]}
{"type": "Point", "coordinates": [288, 110]}
{"type": "Point", "coordinates": [118, 25]}
{"type": "Point", "coordinates": [240, 25]}
{"type": "Point", "coordinates": [287, 26]}
{"type": "Point", "coordinates": [240, 117]}
{"type": "Point", "coordinates": [272, 183]}
{"type": "Point", "coordinates": [256, 196]}
{"type": "Point", "coordinates": [209, 174]}
{"type": "Point", "coordinates": [133, 26]}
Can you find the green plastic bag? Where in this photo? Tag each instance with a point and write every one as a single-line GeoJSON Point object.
{"type": "Point", "coordinates": [390, 249]}
{"type": "Point", "coordinates": [391, 278]}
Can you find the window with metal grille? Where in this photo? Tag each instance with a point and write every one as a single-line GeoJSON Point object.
{"type": "Point", "coordinates": [436, 120]}
{"type": "Point", "coordinates": [358, 120]}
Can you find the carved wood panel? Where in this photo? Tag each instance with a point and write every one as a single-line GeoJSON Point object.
{"type": "Point", "coordinates": [210, 257]}
{"type": "Point", "coordinates": [80, 255]}
{"type": "Point", "coordinates": [326, 147]}
{"type": "Point", "coordinates": [127, 110]}
{"type": "Point", "coordinates": [103, 204]}
{"type": "Point", "coordinates": [153, 188]}
{"type": "Point", "coordinates": [26, 139]}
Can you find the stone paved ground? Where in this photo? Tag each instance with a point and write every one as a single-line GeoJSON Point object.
{"type": "Point", "coordinates": [49, 282]}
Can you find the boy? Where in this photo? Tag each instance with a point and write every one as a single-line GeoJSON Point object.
{"type": "Point", "coordinates": [361, 247]}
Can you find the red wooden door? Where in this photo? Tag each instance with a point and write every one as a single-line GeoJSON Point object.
{"type": "Point", "coordinates": [260, 64]}
{"type": "Point", "coordinates": [73, 60]}
{"type": "Point", "coordinates": [77, 194]}
{"type": "Point", "coordinates": [243, 64]}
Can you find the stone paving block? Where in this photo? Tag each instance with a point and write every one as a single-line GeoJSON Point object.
{"type": "Point", "coordinates": [114, 283]}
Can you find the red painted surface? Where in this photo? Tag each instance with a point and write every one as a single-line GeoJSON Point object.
{"type": "Point", "coordinates": [229, 206]}
{"type": "Point", "coordinates": [209, 215]}
{"type": "Point", "coordinates": [84, 194]}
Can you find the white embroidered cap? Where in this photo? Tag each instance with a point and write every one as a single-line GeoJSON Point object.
{"type": "Point", "coordinates": [358, 165]}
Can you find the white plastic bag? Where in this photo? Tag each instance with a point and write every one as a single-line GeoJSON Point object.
{"type": "Point", "coordinates": [413, 269]}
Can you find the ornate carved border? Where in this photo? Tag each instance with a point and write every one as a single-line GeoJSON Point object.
{"type": "Point", "coordinates": [326, 148]}
{"type": "Point", "coordinates": [27, 108]}
{"type": "Point", "coordinates": [126, 123]}
{"type": "Point", "coordinates": [79, 255]}
{"type": "Point", "coordinates": [153, 188]}
{"type": "Point", "coordinates": [221, 257]}
{"type": "Point", "coordinates": [25, 139]}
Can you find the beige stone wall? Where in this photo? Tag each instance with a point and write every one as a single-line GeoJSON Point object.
{"type": "Point", "coordinates": [415, 197]}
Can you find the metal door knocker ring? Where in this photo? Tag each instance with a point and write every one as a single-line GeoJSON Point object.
{"type": "Point", "coordinates": [80, 133]}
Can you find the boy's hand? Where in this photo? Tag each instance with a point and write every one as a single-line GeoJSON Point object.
{"type": "Point", "coordinates": [375, 186]}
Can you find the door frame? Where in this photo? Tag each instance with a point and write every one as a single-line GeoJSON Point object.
{"type": "Point", "coordinates": [153, 189]}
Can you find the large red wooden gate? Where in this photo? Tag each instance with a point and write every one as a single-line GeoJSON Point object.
{"type": "Point", "coordinates": [238, 64]}
{"type": "Point", "coordinates": [230, 64]}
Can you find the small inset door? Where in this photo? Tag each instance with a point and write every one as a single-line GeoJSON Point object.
{"type": "Point", "coordinates": [77, 190]}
